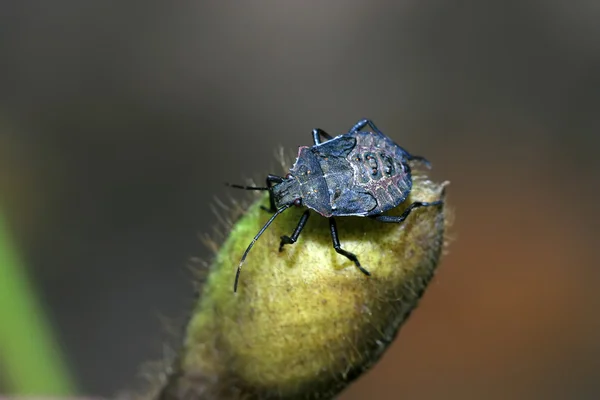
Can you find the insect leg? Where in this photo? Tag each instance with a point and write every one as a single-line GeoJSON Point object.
{"type": "Point", "coordinates": [398, 219]}
{"type": "Point", "coordinates": [362, 123]}
{"type": "Point", "coordinates": [339, 250]}
{"type": "Point", "coordinates": [291, 240]}
{"type": "Point", "coordinates": [318, 134]}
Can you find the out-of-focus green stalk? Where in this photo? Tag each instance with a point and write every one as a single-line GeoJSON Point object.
{"type": "Point", "coordinates": [30, 360]}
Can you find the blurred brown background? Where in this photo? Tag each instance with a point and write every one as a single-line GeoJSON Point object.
{"type": "Point", "coordinates": [121, 120]}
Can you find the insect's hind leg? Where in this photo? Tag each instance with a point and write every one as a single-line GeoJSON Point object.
{"type": "Point", "coordinates": [396, 219]}
{"type": "Point", "coordinates": [291, 240]}
{"type": "Point", "coordinates": [336, 245]}
{"type": "Point", "coordinates": [318, 134]}
{"type": "Point", "coordinates": [362, 123]}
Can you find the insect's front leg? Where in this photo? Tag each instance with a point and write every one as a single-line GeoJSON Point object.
{"type": "Point", "coordinates": [396, 219]}
{"type": "Point", "coordinates": [291, 240]}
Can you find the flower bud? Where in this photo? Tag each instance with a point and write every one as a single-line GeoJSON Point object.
{"type": "Point", "coordinates": [305, 321]}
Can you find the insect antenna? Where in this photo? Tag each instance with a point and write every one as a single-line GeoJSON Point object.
{"type": "Point", "coordinates": [239, 269]}
{"type": "Point", "coordinates": [246, 187]}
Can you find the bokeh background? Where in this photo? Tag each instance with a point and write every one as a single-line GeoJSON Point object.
{"type": "Point", "coordinates": [120, 121]}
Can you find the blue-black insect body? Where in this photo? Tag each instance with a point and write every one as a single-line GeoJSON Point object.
{"type": "Point", "coordinates": [359, 173]}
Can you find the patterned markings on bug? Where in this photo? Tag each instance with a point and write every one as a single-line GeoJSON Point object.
{"type": "Point", "coordinates": [359, 173]}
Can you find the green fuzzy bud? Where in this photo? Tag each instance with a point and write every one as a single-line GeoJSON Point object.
{"type": "Point", "coordinates": [305, 322]}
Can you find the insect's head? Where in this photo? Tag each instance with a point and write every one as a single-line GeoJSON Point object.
{"type": "Point", "coordinates": [287, 192]}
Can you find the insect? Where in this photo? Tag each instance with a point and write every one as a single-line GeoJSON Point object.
{"type": "Point", "coordinates": [360, 173]}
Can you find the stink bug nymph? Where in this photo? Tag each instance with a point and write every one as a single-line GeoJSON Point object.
{"type": "Point", "coordinates": [359, 173]}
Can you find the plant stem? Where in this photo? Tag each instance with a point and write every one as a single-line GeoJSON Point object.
{"type": "Point", "coordinates": [30, 359]}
